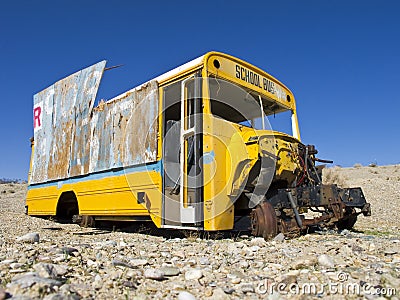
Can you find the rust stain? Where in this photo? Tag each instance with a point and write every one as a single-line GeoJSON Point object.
{"type": "Point", "coordinates": [76, 139]}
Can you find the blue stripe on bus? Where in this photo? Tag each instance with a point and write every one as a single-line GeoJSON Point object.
{"type": "Point", "coordinates": [157, 166]}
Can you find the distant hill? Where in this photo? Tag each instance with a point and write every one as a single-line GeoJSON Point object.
{"type": "Point", "coordinates": [9, 180]}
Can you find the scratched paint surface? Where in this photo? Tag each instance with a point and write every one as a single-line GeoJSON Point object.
{"type": "Point", "coordinates": [74, 138]}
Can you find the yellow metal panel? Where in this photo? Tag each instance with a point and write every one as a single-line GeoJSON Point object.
{"type": "Point", "coordinates": [160, 123]}
{"type": "Point", "coordinates": [249, 76]}
{"type": "Point", "coordinates": [42, 201]}
{"type": "Point", "coordinates": [110, 196]}
{"type": "Point", "coordinates": [218, 207]}
{"type": "Point", "coordinates": [240, 159]}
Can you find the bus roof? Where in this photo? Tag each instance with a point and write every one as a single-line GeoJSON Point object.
{"type": "Point", "coordinates": [198, 63]}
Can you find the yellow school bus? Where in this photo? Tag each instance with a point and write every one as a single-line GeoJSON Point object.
{"type": "Point", "coordinates": [192, 148]}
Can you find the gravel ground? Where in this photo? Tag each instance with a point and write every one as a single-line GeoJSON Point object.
{"type": "Point", "coordinates": [43, 259]}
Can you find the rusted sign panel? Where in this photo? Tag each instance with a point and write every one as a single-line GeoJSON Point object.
{"type": "Point", "coordinates": [124, 129]}
{"type": "Point", "coordinates": [73, 138]}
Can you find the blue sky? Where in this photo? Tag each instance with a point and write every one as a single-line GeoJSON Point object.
{"type": "Point", "coordinates": [340, 58]}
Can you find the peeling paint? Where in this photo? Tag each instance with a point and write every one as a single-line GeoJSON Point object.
{"type": "Point", "coordinates": [76, 139]}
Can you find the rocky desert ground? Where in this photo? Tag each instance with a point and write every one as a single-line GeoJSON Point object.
{"type": "Point", "coordinates": [43, 259]}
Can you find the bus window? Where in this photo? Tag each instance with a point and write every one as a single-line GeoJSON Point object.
{"type": "Point", "coordinates": [238, 105]}
{"type": "Point", "coordinates": [232, 103]}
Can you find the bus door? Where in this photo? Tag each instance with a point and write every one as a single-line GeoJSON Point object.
{"type": "Point", "coordinates": [182, 151]}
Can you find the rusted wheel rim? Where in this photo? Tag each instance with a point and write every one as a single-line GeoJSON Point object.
{"type": "Point", "coordinates": [263, 221]}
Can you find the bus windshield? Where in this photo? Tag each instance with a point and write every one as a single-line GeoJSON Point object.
{"type": "Point", "coordinates": [242, 106]}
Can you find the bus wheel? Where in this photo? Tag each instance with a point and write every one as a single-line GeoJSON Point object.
{"type": "Point", "coordinates": [67, 207]}
{"type": "Point", "coordinates": [84, 221]}
{"type": "Point", "coordinates": [264, 221]}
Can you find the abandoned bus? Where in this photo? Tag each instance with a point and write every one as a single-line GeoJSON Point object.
{"type": "Point", "coordinates": [192, 148]}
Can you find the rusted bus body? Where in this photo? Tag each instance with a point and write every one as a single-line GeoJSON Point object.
{"type": "Point", "coordinates": [75, 139]}
{"type": "Point", "coordinates": [175, 150]}
{"type": "Point", "coordinates": [94, 152]}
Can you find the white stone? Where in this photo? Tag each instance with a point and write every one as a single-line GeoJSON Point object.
{"type": "Point", "coordinates": [193, 274]}
{"type": "Point", "coordinates": [279, 238]}
{"type": "Point", "coordinates": [326, 261]}
{"type": "Point", "coordinates": [186, 296]}
{"type": "Point", "coordinates": [154, 274]}
{"type": "Point", "coordinates": [138, 262]}
{"type": "Point", "coordinates": [32, 237]}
